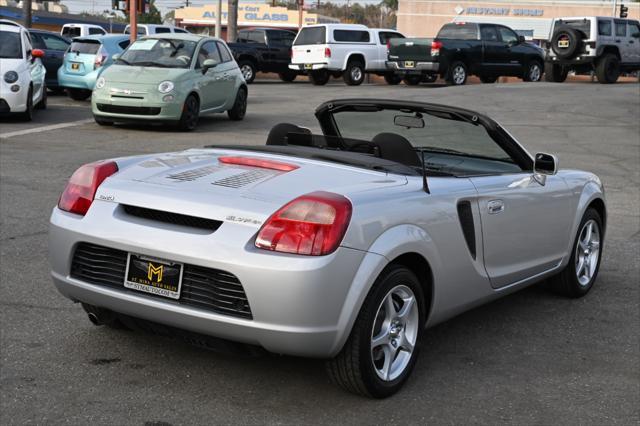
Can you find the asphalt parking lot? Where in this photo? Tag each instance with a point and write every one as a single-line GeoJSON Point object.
{"type": "Point", "coordinates": [530, 358]}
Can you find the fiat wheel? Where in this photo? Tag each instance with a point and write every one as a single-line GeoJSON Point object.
{"type": "Point", "coordinates": [190, 114]}
{"type": "Point", "coordinates": [239, 106]}
{"type": "Point", "coordinates": [27, 115]}
{"type": "Point", "coordinates": [382, 348]}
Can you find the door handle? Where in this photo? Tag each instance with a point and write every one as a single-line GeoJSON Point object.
{"type": "Point", "coordinates": [495, 206]}
{"type": "Point", "coordinates": [617, 41]}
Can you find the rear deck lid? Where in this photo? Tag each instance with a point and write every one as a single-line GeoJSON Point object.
{"type": "Point", "coordinates": [309, 46]}
{"type": "Point", "coordinates": [80, 58]}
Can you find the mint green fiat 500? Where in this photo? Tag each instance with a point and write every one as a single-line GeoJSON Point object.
{"type": "Point", "coordinates": [170, 78]}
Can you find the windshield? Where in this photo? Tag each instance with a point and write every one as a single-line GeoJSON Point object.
{"type": "Point", "coordinates": [163, 53]}
{"type": "Point", "coordinates": [85, 47]}
{"type": "Point", "coordinates": [459, 31]}
{"type": "Point", "coordinates": [71, 31]}
{"type": "Point", "coordinates": [446, 138]}
{"type": "Point", "coordinates": [311, 35]}
{"type": "Point", "coordinates": [10, 46]}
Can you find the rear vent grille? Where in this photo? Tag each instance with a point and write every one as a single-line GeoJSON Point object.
{"type": "Point", "coordinates": [465, 215]}
{"type": "Point", "coordinates": [194, 174]}
{"type": "Point", "coordinates": [242, 179]}
{"type": "Point", "coordinates": [205, 288]}
{"type": "Point", "coordinates": [172, 218]}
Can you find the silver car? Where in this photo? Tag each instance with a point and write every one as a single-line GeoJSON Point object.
{"type": "Point", "coordinates": [343, 245]}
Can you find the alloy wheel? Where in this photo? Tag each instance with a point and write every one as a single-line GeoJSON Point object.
{"type": "Point", "coordinates": [394, 333]}
{"type": "Point", "coordinates": [459, 74]}
{"type": "Point", "coordinates": [247, 72]}
{"type": "Point", "coordinates": [587, 252]}
{"type": "Point", "coordinates": [356, 74]}
{"type": "Point", "coordinates": [535, 72]}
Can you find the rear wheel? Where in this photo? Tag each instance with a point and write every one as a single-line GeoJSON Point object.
{"type": "Point", "coordinates": [555, 73]}
{"type": "Point", "coordinates": [392, 79]}
{"type": "Point", "coordinates": [79, 94]}
{"type": "Point", "coordinates": [319, 77]}
{"type": "Point", "coordinates": [354, 74]}
{"type": "Point", "coordinates": [578, 276]}
{"type": "Point", "coordinates": [412, 79]}
{"type": "Point", "coordinates": [239, 106]}
{"type": "Point", "coordinates": [382, 348]}
{"type": "Point", "coordinates": [533, 72]}
{"type": "Point", "coordinates": [608, 69]}
{"type": "Point", "coordinates": [457, 74]}
{"type": "Point", "coordinates": [248, 70]}
{"type": "Point", "coordinates": [288, 76]}
{"type": "Point", "coordinates": [190, 114]}
{"type": "Point", "coordinates": [488, 79]}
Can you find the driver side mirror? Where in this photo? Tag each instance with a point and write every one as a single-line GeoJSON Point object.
{"type": "Point", "coordinates": [545, 164]}
{"type": "Point", "coordinates": [36, 53]}
{"type": "Point", "coordinates": [521, 39]}
{"type": "Point", "coordinates": [208, 64]}
{"type": "Point", "coordinates": [115, 57]}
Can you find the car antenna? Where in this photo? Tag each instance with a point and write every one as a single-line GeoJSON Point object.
{"type": "Point", "coordinates": [425, 185]}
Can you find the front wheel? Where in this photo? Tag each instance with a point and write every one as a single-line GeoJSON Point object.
{"type": "Point", "coordinates": [102, 122]}
{"type": "Point", "coordinates": [239, 109]}
{"type": "Point", "coordinates": [190, 114]}
{"type": "Point", "coordinates": [43, 102]}
{"type": "Point", "coordinates": [27, 115]}
{"type": "Point", "coordinates": [578, 276]}
{"type": "Point", "coordinates": [382, 349]}
{"type": "Point", "coordinates": [319, 77]}
{"type": "Point", "coordinates": [533, 72]}
{"type": "Point", "coordinates": [457, 74]}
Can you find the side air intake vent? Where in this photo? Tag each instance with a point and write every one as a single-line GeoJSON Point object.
{"type": "Point", "coordinates": [465, 215]}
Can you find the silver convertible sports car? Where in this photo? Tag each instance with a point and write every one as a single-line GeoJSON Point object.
{"type": "Point", "coordinates": [341, 245]}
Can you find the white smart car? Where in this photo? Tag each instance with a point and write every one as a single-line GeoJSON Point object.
{"type": "Point", "coordinates": [22, 87]}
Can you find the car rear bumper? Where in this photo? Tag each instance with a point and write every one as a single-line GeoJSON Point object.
{"type": "Point", "coordinates": [295, 301]}
{"type": "Point", "coordinates": [74, 81]}
{"type": "Point", "coordinates": [308, 67]}
{"type": "Point", "coordinates": [400, 66]}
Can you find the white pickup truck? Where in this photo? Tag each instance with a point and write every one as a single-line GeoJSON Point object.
{"type": "Point", "coordinates": [349, 50]}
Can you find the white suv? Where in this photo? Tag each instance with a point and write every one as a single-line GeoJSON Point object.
{"type": "Point", "coordinates": [341, 49]}
{"type": "Point", "coordinates": [22, 86]}
{"type": "Point", "coordinates": [605, 45]}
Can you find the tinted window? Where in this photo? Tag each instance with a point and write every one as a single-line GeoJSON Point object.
{"type": "Point", "coordinates": [489, 33]}
{"type": "Point", "coordinates": [256, 37]}
{"type": "Point", "coordinates": [621, 29]}
{"type": "Point", "coordinates": [459, 31]}
{"type": "Point", "coordinates": [54, 43]}
{"type": "Point", "coordinates": [280, 38]}
{"type": "Point", "coordinates": [634, 29]}
{"type": "Point", "coordinates": [582, 25]}
{"type": "Point", "coordinates": [224, 52]}
{"type": "Point", "coordinates": [160, 30]}
{"type": "Point", "coordinates": [311, 35]}
{"type": "Point", "coordinates": [180, 30]}
{"type": "Point", "coordinates": [71, 31]}
{"type": "Point", "coordinates": [93, 31]}
{"type": "Point", "coordinates": [37, 41]}
{"type": "Point", "coordinates": [10, 47]}
{"type": "Point", "coordinates": [386, 36]}
{"type": "Point", "coordinates": [351, 36]}
{"type": "Point", "coordinates": [124, 44]}
{"type": "Point", "coordinates": [507, 35]}
{"type": "Point", "coordinates": [604, 27]}
{"type": "Point", "coordinates": [208, 51]}
{"type": "Point", "coordinates": [85, 46]}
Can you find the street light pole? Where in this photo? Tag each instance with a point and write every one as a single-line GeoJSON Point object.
{"type": "Point", "coordinates": [615, 6]}
{"type": "Point", "coordinates": [133, 20]}
{"type": "Point", "coordinates": [218, 33]}
{"type": "Point", "coordinates": [26, 12]}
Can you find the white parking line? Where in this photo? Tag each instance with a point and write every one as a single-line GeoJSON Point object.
{"type": "Point", "coordinates": [45, 128]}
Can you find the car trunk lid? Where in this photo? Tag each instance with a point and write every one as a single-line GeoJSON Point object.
{"type": "Point", "coordinates": [80, 58]}
{"type": "Point", "coordinates": [411, 49]}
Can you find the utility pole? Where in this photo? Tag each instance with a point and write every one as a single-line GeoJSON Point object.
{"type": "Point", "coordinates": [615, 6]}
{"type": "Point", "coordinates": [218, 33]}
{"type": "Point", "coordinates": [232, 20]}
{"type": "Point", "coordinates": [300, 6]}
{"type": "Point", "coordinates": [26, 12]}
{"type": "Point", "coordinates": [133, 20]}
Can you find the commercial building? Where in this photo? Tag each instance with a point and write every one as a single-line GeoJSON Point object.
{"type": "Point", "coordinates": [531, 18]}
{"type": "Point", "coordinates": [203, 18]}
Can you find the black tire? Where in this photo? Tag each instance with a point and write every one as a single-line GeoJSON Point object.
{"type": "Point", "coordinates": [392, 79]}
{"type": "Point", "coordinates": [27, 115]}
{"type": "Point", "coordinates": [102, 121]}
{"type": "Point", "coordinates": [489, 79]}
{"type": "Point", "coordinates": [239, 109]}
{"type": "Point", "coordinates": [43, 102]}
{"type": "Point", "coordinates": [533, 72]}
{"type": "Point", "coordinates": [566, 42]}
{"type": "Point", "coordinates": [566, 282]}
{"type": "Point", "coordinates": [608, 69]}
{"type": "Point", "coordinates": [79, 94]}
{"type": "Point", "coordinates": [354, 367]}
{"type": "Point", "coordinates": [555, 73]}
{"type": "Point", "coordinates": [288, 76]}
{"type": "Point", "coordinates": [319, 77]}
{"type": "Point", "coordinates": [412, 79]}
{"type": "Point", "coordinates": [456, 74]}
{"type": "Point", "coordinates": [190, 114]}
{"type": "Point", "coordinates": [248, 70]}
{"type": "Point", "coordinates": [354, 74]}
{"type": "Point", "coordinates": [429, 78]}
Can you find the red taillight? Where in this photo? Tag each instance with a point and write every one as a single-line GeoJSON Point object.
{"type": "Point", "coordinates": [82, 186]}
{"type": "Point", "coordinates": [327, 52]}
{"type": "Point", "coordinates": [101, 58]}
{"type": "Point", "coordinates": [388, 44]}
{"type": "Point", "coordinates": [435, 48]}
{"type": "Point", "coordinates": [258, 162]}
{"type": "Point", "coordinates": [313, 225]}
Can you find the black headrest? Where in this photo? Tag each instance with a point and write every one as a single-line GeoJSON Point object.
{"type": "Point", "coordinates": [396, 148]}
{"type": "Point", "coordinates": [279, 132]}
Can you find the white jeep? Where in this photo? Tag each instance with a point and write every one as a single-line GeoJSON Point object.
{"type": "Point", "coordinates": [605, 45]}
{"type": "Point", "coordinates": [346, 50]}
